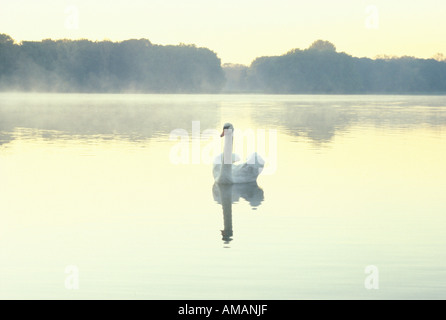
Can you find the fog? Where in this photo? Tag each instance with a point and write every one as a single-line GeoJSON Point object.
{"type": "Point", "coordinates": [131, 117]}
{"type": "Point", "coordinates": [142, 117]}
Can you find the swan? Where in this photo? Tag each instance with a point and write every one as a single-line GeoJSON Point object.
{"type": "Point", "coordinates": [224, 169]}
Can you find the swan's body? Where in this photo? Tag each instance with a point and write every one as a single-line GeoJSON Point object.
{"type": "Point", "coordinates": [224, 169]}
{"type": "Point", "coordinates": [237, 173]}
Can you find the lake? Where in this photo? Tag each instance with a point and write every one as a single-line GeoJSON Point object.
{"type": "Point", "coordinates": [112, 197]}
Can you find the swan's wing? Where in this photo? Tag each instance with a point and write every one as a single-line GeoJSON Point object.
{"type": "Point", "coordinates": [255, 158]}
{"type": "Point", "coordinates": [216, 169]}
{"type": "Point", "coordinates": [245, 172]}
{"type": "Point", "coordinates": [248, 171]}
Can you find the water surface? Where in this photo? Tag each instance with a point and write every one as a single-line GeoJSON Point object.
{"type": "Point", "coordinates": [353, 181]}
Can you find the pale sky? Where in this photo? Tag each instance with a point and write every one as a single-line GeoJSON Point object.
{"type": "Point", "coordinates": [239, 30]}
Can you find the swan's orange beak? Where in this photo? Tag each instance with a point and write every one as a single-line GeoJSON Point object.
{"type": "Point", "coordinates": [222, 133]}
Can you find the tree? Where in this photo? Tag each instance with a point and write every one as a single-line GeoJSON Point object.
{"type": "Point", "coordinates": [6, 39]}
{"type": "Point", "coordinates": [8, 59]}
{"type": "Point", "coordinates": [320, 69]}
{"type": "Point", "coordinates": [321, 45]}
{"type": "Point", "coordinates": [439, 57]}
{"type": "Point", "coordinates": [128, 66]}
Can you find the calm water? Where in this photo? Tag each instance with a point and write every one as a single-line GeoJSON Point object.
{"type": "Point", "coordinates": [98, 184]}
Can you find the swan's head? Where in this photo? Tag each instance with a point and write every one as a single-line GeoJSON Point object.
{"type": "Point", "coordinates": [227, 126]}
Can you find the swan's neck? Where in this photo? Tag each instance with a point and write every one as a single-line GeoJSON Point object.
{"type": "Point", "coordinates": [226, 201]}
{"type": "Point", "coordinates": [227, 151]}
{"type": "Point", "coordinates": [226, 167]}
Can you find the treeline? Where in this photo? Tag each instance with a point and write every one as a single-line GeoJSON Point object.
{"type": "Point", "coordinates": [140, 66]}
{"type": "Point", "coordinates": [320, 69]}
{"type": "Point", "coordinates": [105, 66]}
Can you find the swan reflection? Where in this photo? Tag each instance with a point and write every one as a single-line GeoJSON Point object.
{"type": "Point", "coordinates": [227, 194]}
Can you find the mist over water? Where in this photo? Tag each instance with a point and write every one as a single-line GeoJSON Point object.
{"type": "Point", "coordinates": [86, 181]}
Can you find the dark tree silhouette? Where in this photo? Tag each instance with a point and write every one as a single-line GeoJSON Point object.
{"type": "Point", "coordinates": [6, 39]}
{"type": "Point", "coordinates": [322, 45]}
{"type": "Point", "coordinates": [137, 65]}
{"type": "Point", "coordinates": [105, 66]}
{"type": "Point", "coordinates": [320, 69]}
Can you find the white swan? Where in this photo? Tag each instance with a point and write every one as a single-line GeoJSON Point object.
{"type": "Point", "coordinates": [225, 172]}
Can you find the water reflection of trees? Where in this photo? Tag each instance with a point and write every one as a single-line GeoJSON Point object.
{"type": "Point", "coordinates": [129, 117]}
{"type": "Point", "coordinates": [138, 117]}
{"type": "Point", "coordinates": [320, 118]}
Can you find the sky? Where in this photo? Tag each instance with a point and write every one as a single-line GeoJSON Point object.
{"type": "Point", "coordinates": [239, 30]}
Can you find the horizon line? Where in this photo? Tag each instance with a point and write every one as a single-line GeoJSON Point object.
{"type": "Point", "coordinates": [439, 56]}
